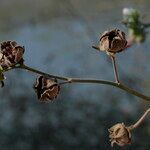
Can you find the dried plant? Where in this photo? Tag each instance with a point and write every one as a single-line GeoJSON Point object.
{"type": "Point", "coordinates": [112, 42]}
{"type": "Point", "coordinates": [47, 86]}
{"type": "Point", "coordinates": [121, 134]}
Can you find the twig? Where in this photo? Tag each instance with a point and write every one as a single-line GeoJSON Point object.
{"type": "Point", "coordinates": [115, 69]}
{"type": "Point", "coordinates": [79, 80]}
{"type": "Point", "coordinates": [140, 121]}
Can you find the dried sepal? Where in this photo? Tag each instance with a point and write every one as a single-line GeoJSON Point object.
{"type": "Point", "coordinates": [2, 77]}
{"type": "Point", "coordinates": [10, 54]}
{"type": "Point", "coordinates": [112, 42]}
{"type": "Point", "coordinates": [120, 134]}
{"type": "Point", "coordinates": [47, 89]}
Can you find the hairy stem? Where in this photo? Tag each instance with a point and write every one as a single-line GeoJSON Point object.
{"type": "Point", "coordinates": [79, 80]}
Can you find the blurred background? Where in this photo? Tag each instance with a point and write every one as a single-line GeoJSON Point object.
{"type": "Point", "coordinates": [58, 35]}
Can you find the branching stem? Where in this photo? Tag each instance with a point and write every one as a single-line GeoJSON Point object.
{"type": "Point", "coordinates": [79, 80]}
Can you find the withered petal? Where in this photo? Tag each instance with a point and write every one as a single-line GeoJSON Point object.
{"type": "Point", "coordinates": [113, 41]}
{"type": "Point", "coordinates": [119, 134]}
{"type": "Point", "coordinates": [11, 54]}
{"type": "Point", "coordinates": [46, 88]}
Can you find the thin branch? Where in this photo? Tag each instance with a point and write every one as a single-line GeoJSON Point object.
{"type": "Point", "coordinates": [140, 121]}
{"type": "Point", "coordinates": [42, 73]}
{"type": "Point", "coordinates": [79, 80]}
{"type": "Point", "coordinates": [115, 68]}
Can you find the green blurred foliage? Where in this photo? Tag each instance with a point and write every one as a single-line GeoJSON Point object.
{"type": "Point", "coordinates": [136, 29]}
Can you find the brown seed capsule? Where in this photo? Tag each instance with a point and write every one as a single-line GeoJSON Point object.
{"type": "Point", "coordinates": [113, 41]}
{"type": "Point", "coordinates": [120, 134]}
{"type": "Point", "coordinates": [10, 54]}
{"type": "Point", "coordinates": [46, 89]}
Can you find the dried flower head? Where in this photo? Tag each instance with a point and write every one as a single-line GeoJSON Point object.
{"type": "Point", "coordinates": [112, 42]}
{"type": "Point", "coordinates": [10, 54]}
{"type": "Point", "coordinates": [120, 134]}
{"type": "Point", "coordinates": [46, 88]}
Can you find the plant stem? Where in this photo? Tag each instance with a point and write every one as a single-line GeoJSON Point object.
{"type": "Point", "coordinates": [79, 80]}
{"type": "Point", "coordinates": [140, 121]}
{"type": "Point", "coordinates": [115, 69]}
{"type": "Point", "coordinates": [42, 73]}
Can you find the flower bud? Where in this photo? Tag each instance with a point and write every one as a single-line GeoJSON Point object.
{"type": "Point", "coordinates": [46, 88]}
{"type": "Point", "coordinates": [113, 41]}
{"type": "Point", "coordinates": [119, 134]}
{"type": "Point", "coordinates": [10, 54]}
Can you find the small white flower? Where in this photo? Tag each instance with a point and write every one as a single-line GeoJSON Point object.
{"type": "Point", "coordinates": [127, 11]}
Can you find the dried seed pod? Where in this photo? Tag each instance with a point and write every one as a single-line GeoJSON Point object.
{"type": "Point", "coordinates": [113, 41]}
{"type": "Point", "coordinates": [10, 54]}
{"type": "Point", "coordinates": [120, 134]}
{"type": "Point", "coordinates": [46, 88]}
